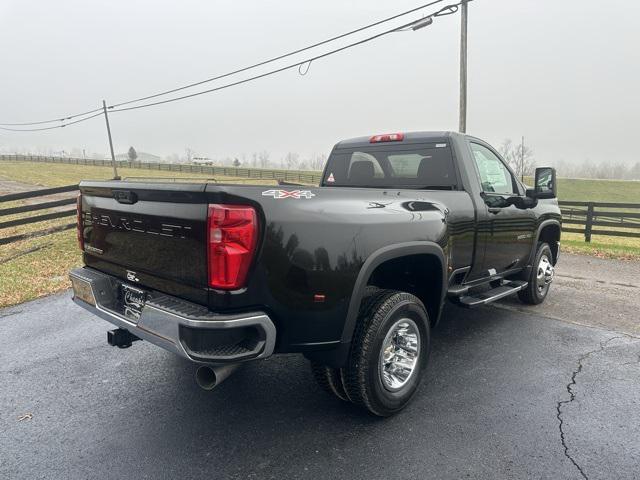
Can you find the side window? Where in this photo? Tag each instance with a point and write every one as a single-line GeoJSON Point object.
{"type": "Point", "coordinates": [494, 176]}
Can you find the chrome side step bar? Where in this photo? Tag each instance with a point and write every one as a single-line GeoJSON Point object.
{"type": "Point", "coordinates": [504, 290]}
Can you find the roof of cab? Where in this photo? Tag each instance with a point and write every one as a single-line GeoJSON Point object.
{"type": "Point", "coordinates": [409, 137]}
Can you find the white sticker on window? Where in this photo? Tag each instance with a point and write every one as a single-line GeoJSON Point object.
{"type": "Point", "coordinates": [331, 179]}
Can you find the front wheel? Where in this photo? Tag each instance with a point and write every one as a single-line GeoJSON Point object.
{"type": "Point", "coordinates": [540, 278]}
{"type": "Point", "coordinates": [389, 352]}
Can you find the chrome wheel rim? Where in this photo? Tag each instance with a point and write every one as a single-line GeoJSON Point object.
{"type": "Point", "coordinates": [544, 275]}
{"type": "Point", "coordinates": [399, 354]}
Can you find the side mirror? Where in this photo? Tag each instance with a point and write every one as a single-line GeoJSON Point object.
{"type": "Point", "coordinates": [545, 185]}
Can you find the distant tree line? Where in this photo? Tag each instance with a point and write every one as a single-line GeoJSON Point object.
{"type": "Point", "coordinates": [606, 170]}
{"type": "Point", "coordinates": [522, 161]}
{"type": "Point", "coordinates": [262, 159]}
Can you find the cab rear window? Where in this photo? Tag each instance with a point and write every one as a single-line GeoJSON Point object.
{"type": "Point", "coordinates": [424, 166]}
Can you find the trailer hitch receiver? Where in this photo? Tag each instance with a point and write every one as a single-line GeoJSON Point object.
{"type": "Point", "coordinates": [121, 338]}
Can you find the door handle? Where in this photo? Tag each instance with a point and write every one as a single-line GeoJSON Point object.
{"type": "Point", "coordinates": [494, 210]}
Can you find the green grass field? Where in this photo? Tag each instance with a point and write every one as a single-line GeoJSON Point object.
{"type": "Point", "coordinates": [586, 190]}
{"type": "Point", "coordinates": [618, 191]}
{"type": "Point", "coordinates": [35, 267]}
{"type": "Point", "coordinates": [602, 246]}
{"type": "Point", "coordinates": [57, 174]}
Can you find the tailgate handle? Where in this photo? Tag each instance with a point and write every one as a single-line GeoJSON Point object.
{"type": "Point", "coordinates": [125, 196]}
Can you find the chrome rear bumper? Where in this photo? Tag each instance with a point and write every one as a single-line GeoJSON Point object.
{"type": "Point", "coordinates": [181, 327]}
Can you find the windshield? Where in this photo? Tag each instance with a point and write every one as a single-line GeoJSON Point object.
{"type": "Point", "coordinates": [426, 166]}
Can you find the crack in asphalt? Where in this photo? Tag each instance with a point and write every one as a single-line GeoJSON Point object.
{"type": "Point", "coordinates": [637, 362]}
{"type": "Point", "coordinates": [572, 396]}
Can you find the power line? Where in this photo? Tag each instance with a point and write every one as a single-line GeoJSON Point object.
{"type": "Point", "coordinates": [419, 23]}
{"type": "Point", "coordinates": [53, 127]}
{"type": "Point", "coordinates": [444, 11]}
{"type": "Point", "coordinates": [42, 122]}
{"type": "Point", "coordinates": [279, 57]}
{"type": "Point", "coordinates": [218, 77]}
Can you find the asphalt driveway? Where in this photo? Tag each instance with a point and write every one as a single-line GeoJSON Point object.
{"type": "Point", "coordinates": [511, 393]}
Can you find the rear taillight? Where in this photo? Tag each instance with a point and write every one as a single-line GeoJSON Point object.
{"type": "Point", "coordinates": [387, 137]}
{"type": "Point", "coordinates": [232, 235]}
{"type": "Point", "coordinates": [79, 225]}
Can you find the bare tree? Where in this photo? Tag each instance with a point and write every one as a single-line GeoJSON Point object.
{"type": "Point", "coordinates": [188, 155]}
{"type": "Point", "coordinates": [619, 171]}
{"type": "Point", "coordinates": [317, 162]}
{"type": "Point", "coordinates": [263, 156]}
{"type": "Point", "coordinates": [291, 160]}
{"type": "Point", "coordinates": [520, 157]}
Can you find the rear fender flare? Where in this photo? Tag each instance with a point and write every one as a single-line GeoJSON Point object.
{"type": "Point", "coordinates": [377, 258]}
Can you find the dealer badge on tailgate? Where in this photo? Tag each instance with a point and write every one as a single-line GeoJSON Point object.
{"type": "Point", "coordinates": [133, 302]}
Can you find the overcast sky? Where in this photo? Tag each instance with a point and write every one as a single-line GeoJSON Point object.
{"type": "Point", "coordinates": [565, 74]}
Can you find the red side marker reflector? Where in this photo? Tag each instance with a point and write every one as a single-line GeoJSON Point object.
{"type": "Point", "coordinates": [387, 137]}
{"type": "Point", "coordinates": [317, 298]}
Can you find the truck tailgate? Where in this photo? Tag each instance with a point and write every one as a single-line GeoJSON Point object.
{"type": "Point", "coordinates": [151, 234]}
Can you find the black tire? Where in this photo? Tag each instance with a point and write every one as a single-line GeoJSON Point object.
{"type": "Point", "coordinates": [534, 293]}
{"type": "Point", "coordinates": [362, 377]}
{"type": "Point", "coordinates": [329, 378]}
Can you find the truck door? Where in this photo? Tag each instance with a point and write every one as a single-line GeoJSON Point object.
{"type": "Point", "coordinates": [508, 230]}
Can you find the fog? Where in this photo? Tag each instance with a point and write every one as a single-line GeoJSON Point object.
{"type": "Point", "coordinates": [563, 74]}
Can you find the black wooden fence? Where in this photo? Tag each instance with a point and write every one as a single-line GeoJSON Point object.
{"type": "Point", "coordinates": [15, 211]}
{"type": "Point", "coordinates": [592, 216]}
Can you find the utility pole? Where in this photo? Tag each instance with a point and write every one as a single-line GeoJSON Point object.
{"type": "Point", "coordinates": [113, 157]}
{"type": "Point", "coordinates": [463, 67]}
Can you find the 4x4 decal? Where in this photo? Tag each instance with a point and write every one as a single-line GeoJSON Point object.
{"type": "Point", "coordinates": [278, 194]}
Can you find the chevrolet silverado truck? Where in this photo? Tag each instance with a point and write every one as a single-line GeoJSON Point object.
{"type": "Point", "coordinates": [352, 273]}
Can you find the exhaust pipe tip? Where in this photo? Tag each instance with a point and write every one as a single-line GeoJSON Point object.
{"type": "Point", "coordinates": [206, 378]}
{"type": "Point", "coordinates": [209, 377]}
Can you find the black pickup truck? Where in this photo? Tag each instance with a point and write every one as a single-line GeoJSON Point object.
{"type": "Point", "coordinates": [353, 273]}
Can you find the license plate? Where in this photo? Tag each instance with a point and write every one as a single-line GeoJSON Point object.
{"type": "Point", "coordinates": [133, 300]}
